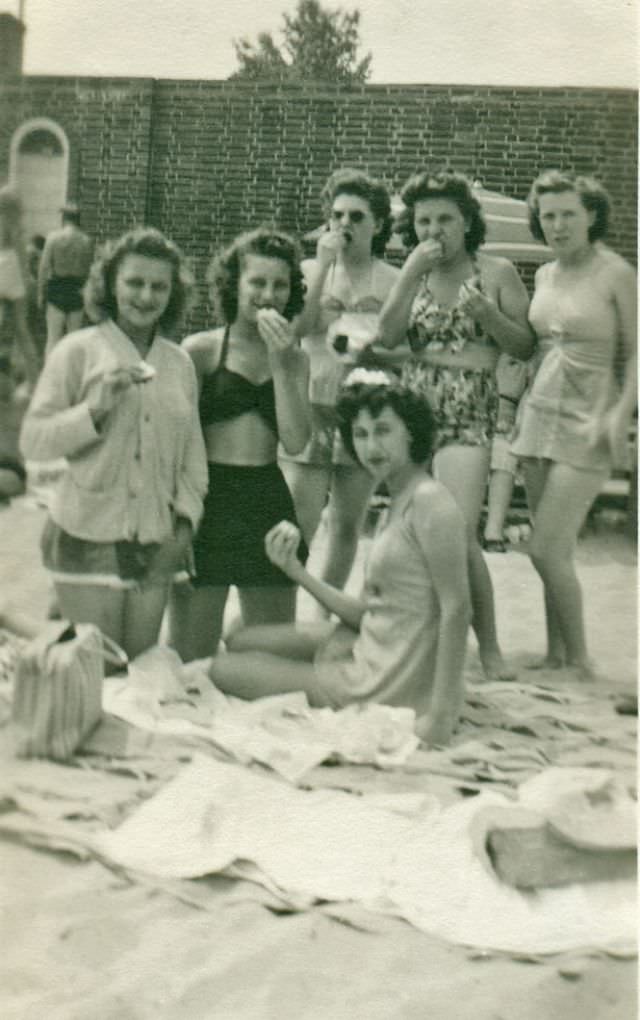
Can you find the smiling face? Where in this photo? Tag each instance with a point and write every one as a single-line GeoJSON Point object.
{"type": "Point", "coordinates": [264, 282]}
{"type": "Point", "coordinates": [382, 443]}
{"type": "Point", "coordinates": [565, 222]}
{"type": "Point", "coordinates": [440, 219]}
{"type": "Point", "coordinates": [142, 290]}
{"type": "Point", "coordinates": [351, 216]}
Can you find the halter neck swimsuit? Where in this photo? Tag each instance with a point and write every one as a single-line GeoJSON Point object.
{"type": "Point", "coordinates": [226, 394]}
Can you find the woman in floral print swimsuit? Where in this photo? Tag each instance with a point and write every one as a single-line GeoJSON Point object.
{"type": "Point", "coordinates": [459, 309]}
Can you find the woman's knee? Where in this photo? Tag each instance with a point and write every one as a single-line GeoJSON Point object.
{"type": "Point", "coordinates": [546, 554]}
{"type": "Point", "coordinates": [238, 638]}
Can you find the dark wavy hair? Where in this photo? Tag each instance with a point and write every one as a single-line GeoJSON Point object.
{"type": "Point", "coordinates": [590, 192]}
{"type": "Point", "coordinates": [373, 192]}
{"type": "Point", "coordinates": [225, 269]}
{"type": "Point", "coordinates": [99, 291]}
{"type": "Point", "coordinates": [444, 184]}
{"type": "Point", "coordinates": [413, 408]}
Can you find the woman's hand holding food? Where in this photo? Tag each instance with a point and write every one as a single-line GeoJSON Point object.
{"type": "Point", "coordinates": [281, 546]}
{"type": "Point", "coordinates": [474, 303]}
{"type": "Point", "coordinates": [109, 388]}
{"type": "Point", "coordinates": [276, 331]}
{"type": "Point", "coordinates": [424, 257]}
{"type": "Point", "coordinates": [330, 244]}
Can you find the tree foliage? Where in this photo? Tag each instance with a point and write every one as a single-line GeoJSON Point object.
{"type": "Point", "coordinates": [317, 44]}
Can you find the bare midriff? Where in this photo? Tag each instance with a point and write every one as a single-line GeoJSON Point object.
{"type": "Point", "coordinates": [245, 441]}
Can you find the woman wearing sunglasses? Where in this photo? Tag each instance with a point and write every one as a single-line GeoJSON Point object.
{"type": "Point", "coordinates": [347, 284]}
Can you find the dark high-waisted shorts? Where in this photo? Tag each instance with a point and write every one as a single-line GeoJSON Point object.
{"type": "Point", "coordinates": [65, 292]}
{"type": "Point", "coordinates": [241, 506]}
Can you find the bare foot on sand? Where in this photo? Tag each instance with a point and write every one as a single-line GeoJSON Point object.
{"type": "Point", "coordinates": [549, 662]}
{"type": "Point", "coordinates": [582, 671]}
{"type": "Point", "coordinates": [495, 668]}
{"type": "Point", "coordinates": [585, 672]}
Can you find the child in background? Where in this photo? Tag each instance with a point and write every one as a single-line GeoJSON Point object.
{"type": "Point", "coordinates": [511, 375]}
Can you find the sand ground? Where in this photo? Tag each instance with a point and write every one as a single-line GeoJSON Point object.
{"type": "Point", "coordinates": [79, 942]}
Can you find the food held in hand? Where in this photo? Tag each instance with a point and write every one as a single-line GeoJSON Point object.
{"type": "Point", "coordinates": [143, 372]}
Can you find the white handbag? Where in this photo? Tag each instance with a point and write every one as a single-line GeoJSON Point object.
{"type": "Point", "coordinates": [57, 697]}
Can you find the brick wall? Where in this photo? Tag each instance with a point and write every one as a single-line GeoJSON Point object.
{"type": "Point", "coordinates": [107, 123]}
{"type": "Point", "coordinates": [203, 160]}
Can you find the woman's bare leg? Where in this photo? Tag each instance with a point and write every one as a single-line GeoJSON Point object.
{"type": "Point", "coordinates": [269, 605]}
{"type": "Point", "coordinates": [297, 641]}
{"type": "Point", "coordinates": [498, 503]}
{"type": "Point", "coordinates": [561, 510]}
{"type": "Point", "coordinates": [195, 620]}
{"type": "Point", "coordinates": [259, 674]}
{"type": "Point", "coordinates": [143, 611]}
{"type": "Point", "coordinates": [535, 475]}
{"type": "Point", "coordinates": [93, 603]}
{"type": "Point", "coordinates": [464, 470]}
{"type": "Point", "coordinates": [351, 489]}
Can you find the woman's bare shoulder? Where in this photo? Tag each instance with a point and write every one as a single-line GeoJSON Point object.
{"type": "Point", "coordinates": [496, 267]}
{"type": "Point", "coordinates": [204, 347]}
{"type": "Point", "coordinates": [432, 499]}
{"type": "Point", "coordinates": [614, 264]}
{"type": "Point", "coordinates": [387, 271]}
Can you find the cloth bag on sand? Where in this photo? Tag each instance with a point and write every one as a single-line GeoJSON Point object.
{"type": "Point", "coordinates": [57, 698]}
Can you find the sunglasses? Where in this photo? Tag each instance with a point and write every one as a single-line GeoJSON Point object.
{"type": "Point", "coordinates": [351, 215]}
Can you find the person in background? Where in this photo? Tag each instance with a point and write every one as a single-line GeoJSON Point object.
{"type": "Point", "coordinates": [511, 376]}
{"type": "Point", "coordinates": [119, 401]}
{"type": "Point", "coordinates": [13, 405]}
{"type": "Point", "coordinates": [403, 641]}
{"type": "Point", "coordinates": [253, 381]}
{"type": "Point", "coordinates": [459, 309]}
{"type": "Point", "coordinates": [347, 284]}
{"type": "Point", "coordinates": [64, 267]}
{"type": "Point", "coordinates": [574, 421]}
{"type": "Point", "coordinates": [17, 342]}
{"type": "Point", "coordinates": [35, 314]}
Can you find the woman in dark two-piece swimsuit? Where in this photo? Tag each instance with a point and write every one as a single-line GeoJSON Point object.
{"type": "Point", "coordinates": [253, 381]}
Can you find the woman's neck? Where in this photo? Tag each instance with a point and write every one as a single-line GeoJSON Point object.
{"type": "Point", "coordinates": [403, 480]}
{"type": "Point", "coordinates": [140, 338]}
{"type": "Point", "coordinates": [356, 261]}
{"type": "Point", "coordinates": [577, 259]}
{"type": "Point", "coordinates": [458, 264]}
{"type": "Point", "coordinates": [242, 331]}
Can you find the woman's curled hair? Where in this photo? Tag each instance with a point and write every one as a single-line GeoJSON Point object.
{"type": "Point", "coordinates": [355, 182]}
{"type": "Point", "coordinates": [225, 269]}
{"type": "Point", "coordinates": [590, 192]}
{"type": "Point", "coordinates": [445, 184]}
{"type": "Point", "coordinates": [99, 291]}
{"type": "Point", "coordinates": [373, 394]}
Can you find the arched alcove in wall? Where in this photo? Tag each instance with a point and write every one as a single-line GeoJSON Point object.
{"type": "Point", "coordinates": [39, 169]}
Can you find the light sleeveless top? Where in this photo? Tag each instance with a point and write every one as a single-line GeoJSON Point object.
{"type": "Point", "coordinates": [392, 659]}
{"type": "Point", "coordinates": [577, 330]}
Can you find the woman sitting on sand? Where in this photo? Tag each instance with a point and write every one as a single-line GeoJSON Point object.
{"type": "Point", "coordinates": [119, 401]}
{"type": "Point", "coordinates": [574, 423]}
{"type": "Point", "coordinates": [403, 641]}
{"type": "Point", "coordinates": [253, 392]}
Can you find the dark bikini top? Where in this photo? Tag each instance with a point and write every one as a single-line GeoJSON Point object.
{"type": "Point", "coordinates": [226, 394]}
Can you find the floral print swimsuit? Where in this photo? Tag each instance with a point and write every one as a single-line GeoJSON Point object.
{"type": "Point", "coordinates": [464, 400]}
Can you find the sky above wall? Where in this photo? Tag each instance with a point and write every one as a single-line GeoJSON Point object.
{"type": "Point", "coordinates": [513, 42]}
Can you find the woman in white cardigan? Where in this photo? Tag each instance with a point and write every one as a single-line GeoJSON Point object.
{"type": "Point", "coordinates": [119, 401]}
